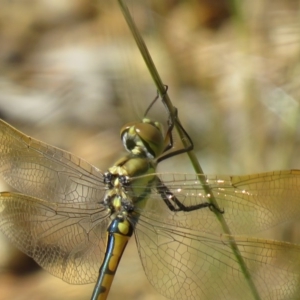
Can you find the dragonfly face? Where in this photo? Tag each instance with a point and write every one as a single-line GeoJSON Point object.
{"type": "Point", "coordinates": [72, 218]}
{"type": "Point", "coordinates": [143, 139]}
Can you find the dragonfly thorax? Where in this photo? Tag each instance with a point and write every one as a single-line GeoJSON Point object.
{"type": "Point", "coordinates": [115, 198]}
{"type": "Point", "coordinates": [125, 184]}
{"type": "Point", "coordinates": [143, 138]}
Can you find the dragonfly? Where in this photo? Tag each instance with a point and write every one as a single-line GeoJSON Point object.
{"type": "Point", "coordinates": [75, 220]}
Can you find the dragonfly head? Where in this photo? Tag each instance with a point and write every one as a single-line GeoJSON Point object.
{"type": "Point", "coordinates": [143, 138]}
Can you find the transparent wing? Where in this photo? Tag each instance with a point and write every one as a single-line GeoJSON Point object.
{"type": "Point", "coordinates": [193, 264]}
{"type": "Point", "coordinates": [46, 172]}
{"type": "Point", "coordinates": [186, 255]}
{"type": "Point", "coordinates": [251, 203]}
{"type": "Point", "coordinates": [67, 240]}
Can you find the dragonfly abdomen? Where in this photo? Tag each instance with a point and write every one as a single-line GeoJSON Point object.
{"type": "Point", "coordinates": [118, 234]}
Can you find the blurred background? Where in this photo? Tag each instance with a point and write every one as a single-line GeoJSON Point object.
{"type": "Point", "coordinates": [71, 76]}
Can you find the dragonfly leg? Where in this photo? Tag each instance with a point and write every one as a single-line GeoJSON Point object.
{"type": "Point", "coordinates": [155, 99]}
{"type": "Point", "coordinates": [175, 205]}
{"type": "Point", "coordinates": [171, 149]}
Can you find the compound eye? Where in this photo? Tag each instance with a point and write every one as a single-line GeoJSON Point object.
{"type": "Point", "coordinates": [151, 136]}
{"type": "Point", "coordinates": [129, 127]}
{"type": "Point", "coordinates": [147, 135]}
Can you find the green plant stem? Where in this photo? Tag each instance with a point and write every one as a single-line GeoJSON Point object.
{"type": "Point", "coordinates": [194, 161]}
